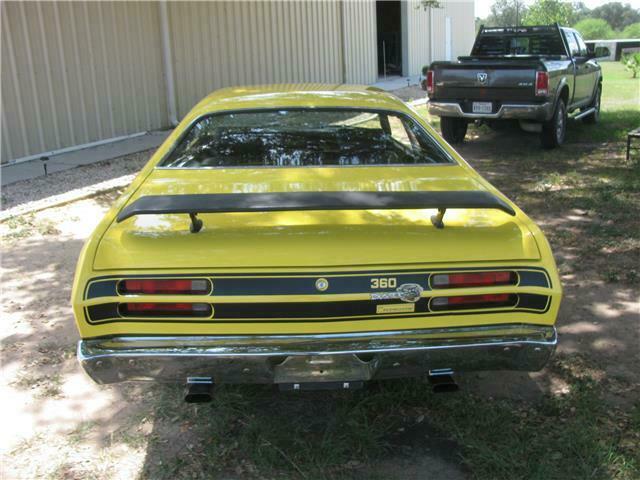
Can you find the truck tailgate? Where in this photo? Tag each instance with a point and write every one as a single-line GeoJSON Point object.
{"type": "Point", "coordinates": [484, 81]}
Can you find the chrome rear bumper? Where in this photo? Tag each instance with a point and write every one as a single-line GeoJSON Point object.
{"type": "Point", "coordinates": [317, 358]}
{"type": "Point", "coordinates": [540, 112]}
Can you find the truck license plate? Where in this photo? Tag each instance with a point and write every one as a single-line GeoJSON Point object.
{"type": "Point", "coordinates": [482, 107]}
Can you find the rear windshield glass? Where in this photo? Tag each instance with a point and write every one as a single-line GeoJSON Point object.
{"type": "Point", "coordinates": [543, 43]}
{"type": "Point", "coordinates": [305, 138]}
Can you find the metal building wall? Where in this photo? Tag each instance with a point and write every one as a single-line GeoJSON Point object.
{"type": "Point", "coordinates": [415, 37]}
{"type": "Point", "coordinates": [360, 41]}
{"type": "Point", "coordinates": [463, 31]}
{"type": "Point", "coordinates": [218, 44]}
{"type": "Point", "coordinates": [417, 33]}
{"type": "Point", "coordinates": [78, 72]}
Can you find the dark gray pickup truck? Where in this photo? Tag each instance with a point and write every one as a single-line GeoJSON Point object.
{"type": "Point", "coordinates": [538, 75]}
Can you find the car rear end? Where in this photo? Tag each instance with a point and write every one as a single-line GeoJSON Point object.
{"type": "Point", "coordinates": [314, 293]}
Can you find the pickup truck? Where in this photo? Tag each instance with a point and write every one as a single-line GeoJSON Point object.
{"type": "Point", "coordinates": [538, 75]}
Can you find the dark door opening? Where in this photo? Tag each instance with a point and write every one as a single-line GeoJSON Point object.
{"type": "Point", "coordinates": [389, 23]}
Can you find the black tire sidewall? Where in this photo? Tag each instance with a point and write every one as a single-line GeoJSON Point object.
{"type": "Point", "coordinates": [561, 112]}
{"type": "Point", "coordinates": [453, 129]}
{"type": "Point", "coordinates": [549, 136]}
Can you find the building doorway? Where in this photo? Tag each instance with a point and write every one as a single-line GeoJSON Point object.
{"type": "Point", "coordinates": [389, 24]}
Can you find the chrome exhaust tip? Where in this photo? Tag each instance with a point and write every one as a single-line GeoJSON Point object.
{"type": "Point", "coordinates": [442, 381]}
{"type": "Point", "coordinates": [199, 390]}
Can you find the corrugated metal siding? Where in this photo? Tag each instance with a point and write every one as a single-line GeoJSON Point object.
{"type": "Point", "coordinates": [462, 28]}
{"type": "Point", "coordinates": [416, 37]}
{"type": "Point", "coordinates": [360, 41]}
{"type": "Point", "coordinates": [78, 72]}
{"type": "Point", "coordinates": [219, 44]}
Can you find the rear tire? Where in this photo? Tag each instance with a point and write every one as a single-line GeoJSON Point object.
{"type": "Point", "coordinates": [595, 116]}
{"type": "Point", "coordinates": [553, 131]}
{"type": "Point", "coordinates": [453, 129]}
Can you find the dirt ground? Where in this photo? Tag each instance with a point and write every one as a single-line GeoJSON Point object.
{"type": "Point", "coordinates": [59, 424]}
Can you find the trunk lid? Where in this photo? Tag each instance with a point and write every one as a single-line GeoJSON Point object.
{"type": "Point", "coordinates": [312, 238]}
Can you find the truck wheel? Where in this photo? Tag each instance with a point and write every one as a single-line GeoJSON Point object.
{"type": "Point", "coordinates": [453, 129]}
{"type": "Point", "coordinates": [553, 131]}
{"type": "Point", "coordinates": [595, 116]}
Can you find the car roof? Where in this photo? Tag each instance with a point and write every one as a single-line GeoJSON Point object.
{"type": "Point", "coordinates": [310, 95]}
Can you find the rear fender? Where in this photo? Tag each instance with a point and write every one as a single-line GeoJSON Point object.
{"type": "Point", "coordinates": [561, 85]}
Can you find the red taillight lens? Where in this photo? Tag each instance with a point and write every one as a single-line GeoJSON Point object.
{"type": "Point", "coordinates": [430, 85]}
{"type": "Point", "coordinates": [476, 279]}
{"type": "Point", "coordinates": [474, 301]}
{"type": "Point", "coordinates": [165, 287]}
{"type": "Point", "coordinates": [165, 309]}
{"type": "Point", "coordinates": [542, 83]}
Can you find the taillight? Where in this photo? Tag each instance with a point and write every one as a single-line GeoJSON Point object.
{"type": "Point", "coordinates": [475, 279]}
{"type": "Point", "coordinates": [474, 301]}
{"type": "Point", "coordinates": [542, 83]}
{"type": "Point", "coordinates": [165, 309]}
{"type": "Point", "coordinates": [165, 286]}
{"type": "Point", "coordinates": [430, 85]}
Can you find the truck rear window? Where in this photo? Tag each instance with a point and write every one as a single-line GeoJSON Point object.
{"type": "Point", "coordinates": [500, 44]}
{"type": "Point", "coordinates": [305, 138]}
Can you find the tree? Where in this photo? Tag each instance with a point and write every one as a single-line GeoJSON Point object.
{"type": "Point", "coordinates": [631, 31]}
{"type": "Point", "coordinates": [580, 12]}
{"type": "Point", "coordinates": [505, 13]}
{"type": "Point", "coordinates": [631, 62]}
{"type": "Point", "coordinates": [594, 29]}
{"type": "Point", "coordinates": [546, 12]}
{"type": "Point", "coordinates": [616, 14]}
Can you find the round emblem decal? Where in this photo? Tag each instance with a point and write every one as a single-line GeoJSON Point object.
{"type": "Point", "coordinates": [322, 284]}
{"type": "Point", "coordinates": [409, 292]}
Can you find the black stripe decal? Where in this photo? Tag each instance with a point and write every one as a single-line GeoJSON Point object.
{"type": "Point", "coordinates": [304, 284]}
{"type": "Point", "coordinates": [311, 312]}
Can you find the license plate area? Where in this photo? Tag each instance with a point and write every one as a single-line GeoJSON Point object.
{"type": "Point", "coordinates": [324, 368]}
{"type": "Point", "coordinates": [482, 107]}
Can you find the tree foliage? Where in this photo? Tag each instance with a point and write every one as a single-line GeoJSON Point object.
{"type": "Point", "coordinates": [546, 12]}
{"type": "Point", "coordinates": [616, 14]}
{"type": "Point", "coordinates": [594, 29]}
{"type": "Point", "coordinates": [506, 13]}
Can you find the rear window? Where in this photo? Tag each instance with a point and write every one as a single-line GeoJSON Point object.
{"type": "Point", "coordinates": [498, 44]}
{"type": "Point", "coordinates": [305, 138]}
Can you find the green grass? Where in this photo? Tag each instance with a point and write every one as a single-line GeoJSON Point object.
{"type": "Point", "coordinates": [620, 106]}
{"type": "Point", "coordinates": [322, 435]}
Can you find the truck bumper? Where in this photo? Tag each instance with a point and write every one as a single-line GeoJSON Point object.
{"type": "Point", "coordinates": [317, 358]}
{"type": "Point", "coordinates": [539, 112]}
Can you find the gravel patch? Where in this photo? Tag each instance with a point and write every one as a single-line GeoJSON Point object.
{"type": "Point", "coordinates": [49, 190]}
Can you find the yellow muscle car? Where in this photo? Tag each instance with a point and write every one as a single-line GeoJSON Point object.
{"type": "Point", "coordinates": [311, 236]}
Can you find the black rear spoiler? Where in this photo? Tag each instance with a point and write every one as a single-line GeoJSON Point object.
{"type": "Point", "coordinates": [304, 201]}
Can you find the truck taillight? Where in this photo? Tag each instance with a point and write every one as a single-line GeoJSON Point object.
{"type": "Point", "coordinates": [542, 83]}
{"type": "Point", "coordinates": [430, 84]}
{"type": "Point", "coordinates": [165, 286]}
{"type": "Point", "coordinates": [473, 279]}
